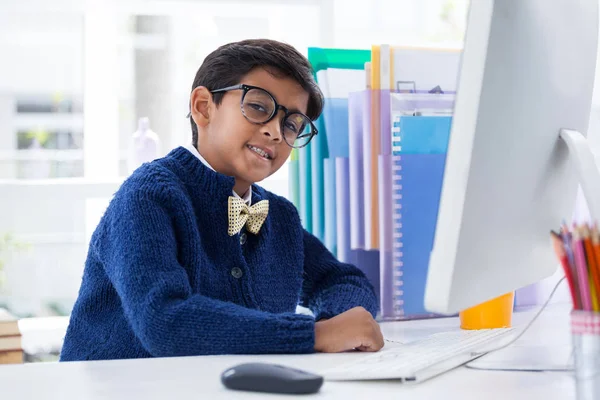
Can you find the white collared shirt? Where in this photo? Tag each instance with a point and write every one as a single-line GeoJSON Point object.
{"type": "Point", "coordinates": [247, 197]}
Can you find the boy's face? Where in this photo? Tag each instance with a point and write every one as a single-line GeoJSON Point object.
{"type": "Point", "coordinates": [226, 137]}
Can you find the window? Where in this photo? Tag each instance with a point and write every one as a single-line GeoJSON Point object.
{"type": "Point", "coordinates": [425, 22]}
{"type": "Point", "coordinates": [78, 78]}
{"type": "Point", "coordinates": [41, 81]}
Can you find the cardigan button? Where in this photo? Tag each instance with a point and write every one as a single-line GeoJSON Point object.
{"type": "Point", "coordinates": [237, 273]}
{"type": "Point", "coordinates": [243, 238]}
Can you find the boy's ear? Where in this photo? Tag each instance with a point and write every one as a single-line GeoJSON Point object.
{"type": "Point", "coordinates": [201, 105]}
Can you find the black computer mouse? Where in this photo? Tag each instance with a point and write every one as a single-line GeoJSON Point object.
{"type": "Point", "coordinates": [271, 378]}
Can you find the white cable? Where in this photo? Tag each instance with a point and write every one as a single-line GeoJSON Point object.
{"type": "Point", "coordinates": [393, 341]}
{"type": "Point", "coordinates": [515, 338]}
{"type": "Point", "coordinates": [524, 329]}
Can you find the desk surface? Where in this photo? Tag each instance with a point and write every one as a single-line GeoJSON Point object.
{"type": "Point", "coordinates": [199, 377]}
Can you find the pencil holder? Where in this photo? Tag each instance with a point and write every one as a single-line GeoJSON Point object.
{"type": "Point", "coordinates": [585, 332]}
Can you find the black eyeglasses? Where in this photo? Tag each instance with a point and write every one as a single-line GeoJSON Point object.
{"type": "Point", "coordinates": [260, 107]}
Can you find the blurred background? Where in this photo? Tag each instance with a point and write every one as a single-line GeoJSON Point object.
{"type": "Point", "coordinates": [76, 77]}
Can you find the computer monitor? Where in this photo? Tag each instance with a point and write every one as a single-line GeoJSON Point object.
{"type": "Point", "coordinates": [511, 176]}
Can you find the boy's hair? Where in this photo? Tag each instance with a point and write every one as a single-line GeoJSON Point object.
{"type": "Point", "coordinates": [228, 64]}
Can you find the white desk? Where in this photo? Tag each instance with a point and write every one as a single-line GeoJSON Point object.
{"type": "Point", "coordinates": [199, 377]}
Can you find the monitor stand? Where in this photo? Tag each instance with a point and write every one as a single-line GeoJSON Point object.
{"type": "Point", "coordinates": [584, 162]}
{"type": "Point", "coordinates": [523, 357]}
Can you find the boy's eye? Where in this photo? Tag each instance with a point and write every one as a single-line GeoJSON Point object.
{"type": "Point", "coordinates": [296, 123]}
{"type": "Point", "coordinates": [257, 107]}
{"type": "Point", "coordinates": [291, 126]}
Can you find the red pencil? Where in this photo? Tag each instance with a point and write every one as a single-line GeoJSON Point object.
{"type": "Point", "coordinates": [559, 249]}
{"type": "Point", "coordinates": [582, 271]}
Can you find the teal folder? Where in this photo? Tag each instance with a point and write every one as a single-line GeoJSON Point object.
{"type": "Point", "coordinates": [311, 177]}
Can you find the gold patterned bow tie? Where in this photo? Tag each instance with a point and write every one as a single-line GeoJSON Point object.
{"type": "Point", "coordinates": [240, 214]}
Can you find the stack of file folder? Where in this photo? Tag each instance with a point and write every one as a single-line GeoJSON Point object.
{"type": "Point", "coordinates": [369, 183]}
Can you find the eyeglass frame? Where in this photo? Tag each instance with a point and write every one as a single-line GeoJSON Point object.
{"type": "Point", "coordinates": [287, 112]}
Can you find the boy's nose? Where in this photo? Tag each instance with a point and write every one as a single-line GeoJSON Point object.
{"type": "Point", "coordinates": [272, 129]}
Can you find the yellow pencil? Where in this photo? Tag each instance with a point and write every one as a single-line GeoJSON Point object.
{"type": "Point", "coordinates": [591, 264]}
{"type": "Point", "coordinates": [594, 267]}
{"type": "Point", "coordinates": [594, 296]}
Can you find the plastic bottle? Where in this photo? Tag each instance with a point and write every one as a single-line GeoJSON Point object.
{"type": "Point", "coordinates": [144, 147]}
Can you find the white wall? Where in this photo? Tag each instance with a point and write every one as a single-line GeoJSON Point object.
{"type": "Point", "coordinates": [50, 217]}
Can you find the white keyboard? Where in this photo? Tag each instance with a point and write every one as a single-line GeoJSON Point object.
{"type": "Point", "coordinates": [423, 359]}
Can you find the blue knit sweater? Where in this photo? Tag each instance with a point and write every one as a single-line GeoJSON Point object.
{"type": "Point", "coordinates": [163, 277]}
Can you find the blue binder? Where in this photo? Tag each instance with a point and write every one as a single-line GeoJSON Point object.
{"type": "Point", "coordinates": [419, 145]}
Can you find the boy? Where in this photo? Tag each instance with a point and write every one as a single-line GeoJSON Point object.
{"type": "Point", "coordinates": [192, 258]}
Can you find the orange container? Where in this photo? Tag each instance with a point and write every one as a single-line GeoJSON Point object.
{"type": "Point", "coordinates": [495, 313]}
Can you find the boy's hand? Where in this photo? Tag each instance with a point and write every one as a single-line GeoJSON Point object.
{"type": "Point", "coordinates": [353, 329]}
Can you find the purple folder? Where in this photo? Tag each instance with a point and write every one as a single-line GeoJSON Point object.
{"type": "Point", "coordinates": [385, 206]}
{"type": "Point", "coordinates": [385, 123]}
{"type": "Point", "coordinates": [368, 262]}
{"type": "Point", "coordinates": [343, 196]}
{"type": "Point", "coordinates": [409, 190]}
{"type": "Point", "coordinates": [356, 106]}
{"type": "Point", "coordinates": [367, 144]}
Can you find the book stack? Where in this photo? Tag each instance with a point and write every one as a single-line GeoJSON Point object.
{"type": "Point", "coordinates": [11, 351]}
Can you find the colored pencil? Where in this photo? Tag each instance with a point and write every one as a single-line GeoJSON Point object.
{"type": "Point", "coordinates": [591, 265]}
{"type": "Point", "coordinates": [595, 269]}
{"type": "Point", "coordinates": [582, 272]}
{"type": "Point", "coordinates": [559, 249]}
{"type": "Point", "coordinates": [568, 245]}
